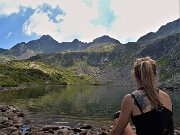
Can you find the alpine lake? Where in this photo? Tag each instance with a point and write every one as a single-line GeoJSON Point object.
{"type": "Point", "coordinates": [74, 104]}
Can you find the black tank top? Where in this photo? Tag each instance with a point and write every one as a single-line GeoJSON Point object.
{"type": "Point", "coordinates": [154, 122]}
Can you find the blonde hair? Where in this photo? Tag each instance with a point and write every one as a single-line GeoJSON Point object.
{"type": "Point", "coordinates": [145, 72]}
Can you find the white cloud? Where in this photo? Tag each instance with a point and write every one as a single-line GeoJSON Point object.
{"type": "Point", "coordinates": [40, 24]}
{"type": "Point", "coordinates": [133, 18]}
{"type": "Point", "coordinates": [59, 18]}
{"type": "Point", "coordinates": [75, 24]}
{"type": "Point", "coordinates": [9, 34]}
{"type": "Point", "coordinates": [8, 7]}
{"type": "Point", "coordinates": [137, 18]}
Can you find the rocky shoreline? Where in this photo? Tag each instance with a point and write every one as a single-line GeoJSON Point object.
{"type": "Point", "coordinates": [8, 88]}
{"type": "Point", "coordinates": [12, 122]}
{"type": "Point", "coordinates": [21, 87]}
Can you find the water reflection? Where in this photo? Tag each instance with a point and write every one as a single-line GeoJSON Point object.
{"type": "Point", "coordinates": [90, 104]}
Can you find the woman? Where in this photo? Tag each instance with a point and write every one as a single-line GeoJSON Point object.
{"type": "Point", "coordinates": [149, 108]}
{"type": "Point", "coordinates": [128, 130]}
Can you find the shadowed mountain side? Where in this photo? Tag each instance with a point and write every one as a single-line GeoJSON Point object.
{"type": "Point", "coordinates": [105, 59]}
{"type": "Point", "coordinates": [46, 45]}
{"type": "Point", "coordinates": [165, 30]}
{"type": "Point", "coordinates": [114, 67]}
{"type": "Point", "coordinates": [26, 72]}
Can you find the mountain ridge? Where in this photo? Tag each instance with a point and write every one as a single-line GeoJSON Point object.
{"type": "Point", "coordinates": [46, 44]}
{"type": "Point", "coordinates": [105, 62]}
{"type": "Point", "coordinates": [164, 30]}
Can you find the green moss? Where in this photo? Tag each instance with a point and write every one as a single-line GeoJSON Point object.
{"type": "Point", "coordinates": [101, 48]}
{"type": "Point", "coordinates": [162, 61]}
{"type": "Point", "coordinates": [168, 75]}
{"type": "Point", "coordinates": [26, 72]}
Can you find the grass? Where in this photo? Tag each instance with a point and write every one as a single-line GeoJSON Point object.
{"type": "Point", "coordinates": [26, 72]}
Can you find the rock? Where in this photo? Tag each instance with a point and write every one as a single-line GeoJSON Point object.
{"type": "Point", "coordinates": [51, 131]}
{"type": "Point", "coordinates": [48, 127]}
{"type": "Point", "coordinates": [86, 127]}
{"type": "Point", "coordinates": [177, 132]}
{"type": "Point", "coordinates": [2, 126]}
{"type": "Point", "coordinates": [3, 119]}
{"type": "Point", "coordinates": [67, 132]}
{"type": "Point", "coordinates": [18, 125]}
{"type": "Point", "coordinates": [3, 108]}
{"type": "Point", "coordinates": [17, 120]}
{"type": "Point", "coordinates": [59, 132]}
{"type": "Point", "coordinates": [1, 133]}
{"type": "Point", "coordinates": [16, 133]}
{"type": "Point", "coordinates": [12, 129]}
{"type": "Point", "coordinates": [4, 130]}
{"type": "Point", "coordinates": [8, 124]}
{"type": "Point", "coordinates": [35, 129]}
{"type": "Point", "coordinates": [76, 130]}
{"type": "Point", "coordinates": [20, 114]}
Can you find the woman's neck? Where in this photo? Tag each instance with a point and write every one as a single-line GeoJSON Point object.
{"type": "Point", "coordinates": [139, 84]}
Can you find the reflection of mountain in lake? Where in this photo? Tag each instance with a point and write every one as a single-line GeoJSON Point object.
{"type": "Point", "coordinates": [94, 104]}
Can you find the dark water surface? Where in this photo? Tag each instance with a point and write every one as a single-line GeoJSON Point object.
{"type": "Point", "coordinates": [71, 105]}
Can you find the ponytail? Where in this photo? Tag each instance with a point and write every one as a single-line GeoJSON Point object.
{"type": "Point", "coordinates": [145, 72]}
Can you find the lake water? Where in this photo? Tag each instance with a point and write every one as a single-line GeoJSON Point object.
{"type": "Point", "coordinates": [71, 105]}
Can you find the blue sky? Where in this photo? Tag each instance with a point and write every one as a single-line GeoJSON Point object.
{"type": "Point", "coordinates": [65, 20]}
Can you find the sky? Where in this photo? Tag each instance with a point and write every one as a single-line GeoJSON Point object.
{"type": "Point", "coordinates": [66, 20]}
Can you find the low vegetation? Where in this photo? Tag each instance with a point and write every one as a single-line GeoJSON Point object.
{"type": "Point", "coordinates": [26, 72]}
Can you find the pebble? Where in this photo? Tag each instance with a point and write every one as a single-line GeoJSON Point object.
{"type": "Point", "coordinates": [11, 119]}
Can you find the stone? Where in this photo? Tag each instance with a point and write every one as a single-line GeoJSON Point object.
{"type": "Point", "coordinates": [3, 119]}
{"type": "Point", "coordinates": [177, 132]}
{"type": "Point", "coordinates": [48, 127]}
{"type": "Point", "coordinates": [2, 133]}
{"type": "Point", "coordinates": [8, 123]}
{"type": "Point", "coordinates": [12, 129]}
{"type": "Point", "coordinates": [76, 130]}
{"type": "Point", "coordinates": [17, 120]}
{"type": "Point", "coordinates": [20, 114]}
{"type": "Point", "coordinates": [3, 108]}
{"type": "Point", "coordinates": [51, 131]}
{"type": "Point", "coordinates": [16, 133]}
{"type": "Point", "coordinates": [86, 127]}
{"type": "Point", "coordinates": [4, 130]}
{"type": "Point", "coordinates": [35, 129]}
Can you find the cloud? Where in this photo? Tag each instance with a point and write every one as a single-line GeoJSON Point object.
{"type": "Point", "coordinates": [39, 23]}
{"type": "Point", "coordinates": [74, 21]}
{"type": "Point", "coordinates": [9, 34]}
{"type": "Point", "coordinates": [65, 20]}
{"type": "Point", "coordinates": [137, 18]}
{"type": "Point", "coordinates": [106, 15]}
{"type": "Point", "coordinates": [8, 7]}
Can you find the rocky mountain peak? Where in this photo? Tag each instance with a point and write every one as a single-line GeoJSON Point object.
{"type": "Point", "coordinates": [165, 30]}
{"type": "Point", "coordinates": [106, 39]}
{"type": "Point", "coordinates": [76, 41]}
{"type": "Point", "coordinates": [46, 38]}
{"type": "Point", "coordinates": [2, 50]}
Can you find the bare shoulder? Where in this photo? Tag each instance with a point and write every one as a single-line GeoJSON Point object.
{"type": "Point", "coordinates": [165, 99]}
{"type": "Point", "coordinates": [127, 99]}
{"type": "Point", "coordinates": [127, 103]}
{"type": "Point", "coordinates": [164, 95]}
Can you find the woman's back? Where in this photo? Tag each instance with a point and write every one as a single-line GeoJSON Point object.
{"type": "Point", "coordinates": [149, 107]}
{"type": "Point", "coordinates": [149, 120]}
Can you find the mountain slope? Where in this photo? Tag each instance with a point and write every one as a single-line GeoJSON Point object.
{"type": "Point", "coordinates": [46, 44]}
{"type": "Point", "coordinates": [165, 30]}
{"type": "Point", "coordinates": [113, 67]}
{"type": "Point", "coordinates": [2, 50]}
{"type": "Point", "coordinates": [26, 72]}
{"type": "Point", "coordinates": [105, 59]}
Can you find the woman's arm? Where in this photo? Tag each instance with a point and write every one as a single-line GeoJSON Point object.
{"type": "Point", "coordinates": [126, 109]}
